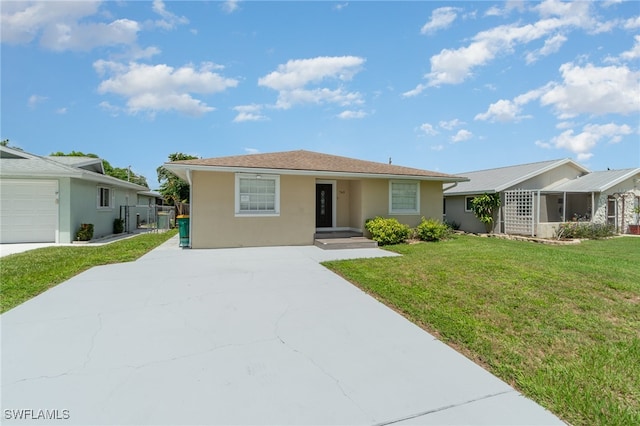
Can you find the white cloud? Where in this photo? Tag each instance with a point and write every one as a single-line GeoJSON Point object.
{"type": "Point", "coordinates": [349, 115]}
{"type": "Point", "coordinates": [428, 129]}
{"type": "Point", "coordinates": [441, 18]}
{"type": "Point", "coordinates": [461, 136]}
{"type": "Point", "coordinates": [170, 21]}
{"type": "Point", "coordinates": [437, 147]}
{"type": "Point", "coordinates": [451, 124]}
{"type": "Point", "coordinates": [585, 89]}
{"type": "Point", "coordinates": [230, 6]}
{"type": "Point", "coordinates": [634, 53]}
{"type": "Point", "coordinates": [251, 150]}
{"type": "Point", "coordinates": [583, 143]}
{"type": "Point", "coordinates": [251, 112]}
{"type": "Point", "coordinates": [632, 23]}
{"type": "Point", "coordinates": [502, 111]}
{"type": "Point", "coordinates": [152, 88]}
{"type": "Point", "coordinates": [113, 110]}
{"type": "Point", "coordinates": [34, 100]}
{"type": "Point", "coordinates": [453, 66]}
{"type": "Point", "coordinates": [551, 45]}
{"type": "Point", "coordinates": [61, 111]}
{"type": "Point", "coordinates": [291, 81]}
{"type": "Point", "coordinates": [594, 90]}
{"type": "Point", "coordinates": [63, 25]}
{"type": "Point", "coordinates": [340, 6]}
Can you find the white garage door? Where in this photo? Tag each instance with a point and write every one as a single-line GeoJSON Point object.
{"type": "Point", "coordinates": [28, 211]}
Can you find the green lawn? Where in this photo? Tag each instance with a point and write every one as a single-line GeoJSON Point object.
{"type": "Point", "coordinates": [559, 323]}
{"type": "Point", "coordinates": [25, 275]}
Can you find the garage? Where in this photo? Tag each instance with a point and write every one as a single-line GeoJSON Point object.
{"type": "Point", "coordinates": [29, 211]}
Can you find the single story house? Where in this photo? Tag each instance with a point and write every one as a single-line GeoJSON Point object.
{"type": "Point", "coordinates": [608, 196]}
{"type": "Point", "coordinates": [46, 198]}
{"type": "Point", "coordinates": [285, 198]}
{"type": "Point", "coordinates": [536, 197]}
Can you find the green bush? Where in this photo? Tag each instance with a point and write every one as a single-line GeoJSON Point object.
{"type": "Point", "coordinates": [85, 233]}
{"type": "Point", "coordinates": [585, 230]}
{"type": "Point", "coordinates": [118, 226]}
{"type": "Point", "coordinates": [387, 231]}
{"type": "Point", "coordinates": [432, 230]}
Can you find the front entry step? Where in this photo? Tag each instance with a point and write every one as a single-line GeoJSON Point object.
{"type": "Point", "coordinates": [345, 243]}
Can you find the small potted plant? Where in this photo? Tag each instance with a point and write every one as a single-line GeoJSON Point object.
{"type": "Point", "coordinates": [85, 233]}
{"type": "Point", "coordinates": [635, 229]}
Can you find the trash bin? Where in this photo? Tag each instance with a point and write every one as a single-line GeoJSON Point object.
{"type": "Point", "coordinates": [183, 228]}
{"type": "Point", "coordinates": [163, 221]}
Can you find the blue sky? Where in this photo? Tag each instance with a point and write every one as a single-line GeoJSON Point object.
{"type": "Point", "coordinates": [443, 86]}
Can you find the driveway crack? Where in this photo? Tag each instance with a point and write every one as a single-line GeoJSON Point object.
{"type": "Point", "coordinates": [444, 408]}
{"type": "Point", "coordinates": [318, 366]}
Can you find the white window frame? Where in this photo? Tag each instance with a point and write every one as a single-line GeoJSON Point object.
{"type": "Point", "coordinates": [256, 213]}
{"type": "Point", "coordinates": [467, 203]}
{"type": "Point", "coordinates": [110, 198]}
{"type": "Point", "coordinates": [412, 211]}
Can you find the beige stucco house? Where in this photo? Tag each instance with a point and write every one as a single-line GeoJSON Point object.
{"type": "Point", "coordinates": [286, 198]}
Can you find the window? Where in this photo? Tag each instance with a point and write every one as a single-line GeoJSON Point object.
{"type": "Point", "coordinates": [467, 204]}
{"type": "Point", "coordinates": [104, 198]}
{"type": "Point", "coordinates": [257, 195]}
{"type": "Point", "coordinates": [404, 197]}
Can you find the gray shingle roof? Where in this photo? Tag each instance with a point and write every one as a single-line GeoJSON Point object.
{"type": "Point", "coordinates": [502, 178]}
{"type": "Point", "coordinates": [594, 182]}
{"type": "Point", "coordinates": [19, 164]}
{"type": "Point", "coordinates": [306, 161]}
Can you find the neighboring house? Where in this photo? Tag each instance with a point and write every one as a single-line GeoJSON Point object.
{"type": "Point", "coordinates": [285, 198]}
{"type": "Point", "coordinates": [45, 199]}
{"type": "Point", "coordinates": [536, 197]}
{"type": "Point", "coordinates": [608, 196]}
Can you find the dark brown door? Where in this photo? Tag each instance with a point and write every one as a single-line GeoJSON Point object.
{"type": "Point", "coordinates": [324, 207]}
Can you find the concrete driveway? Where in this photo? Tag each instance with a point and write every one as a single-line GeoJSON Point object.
{"type": "Point", "coordinates": [239, 336]}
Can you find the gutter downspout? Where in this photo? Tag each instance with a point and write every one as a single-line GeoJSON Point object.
{"type": "Point", "coordinates": [452, 186]}
{"type": "Point", "coordinates": [189, 181]}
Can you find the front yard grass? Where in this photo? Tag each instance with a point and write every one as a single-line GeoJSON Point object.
{"type": "Point", "coordinates": [559, 323]}
{"type": "Point", "coordinates": [25, 275]}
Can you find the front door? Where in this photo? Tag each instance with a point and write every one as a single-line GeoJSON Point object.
{"type": "Point", "coordinates": [324, 207]}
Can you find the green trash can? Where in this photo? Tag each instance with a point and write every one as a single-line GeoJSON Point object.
{"type": "Point", "coordinates": [183, 228]}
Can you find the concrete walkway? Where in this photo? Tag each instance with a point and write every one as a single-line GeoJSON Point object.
{"type": "Point", "coordinates": [261, 336]}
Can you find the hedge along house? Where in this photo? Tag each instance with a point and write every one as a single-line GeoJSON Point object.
{"type": "Point", "coordinates": [45, 199]}
{"type": "Point", "coordinates": [286, 198]}
{"type": "Point", "coordinates": [521, 209]}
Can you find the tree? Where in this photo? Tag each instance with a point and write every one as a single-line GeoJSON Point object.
{"type": "Point", "coordinates": [174, 190]}
{"type": "Point", "coordinates": [117, 172]}
{"type": "Point", "coordinates": [484, 207]}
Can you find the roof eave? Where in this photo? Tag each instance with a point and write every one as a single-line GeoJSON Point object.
{"type": "Point", "coordinates": [180, 170]}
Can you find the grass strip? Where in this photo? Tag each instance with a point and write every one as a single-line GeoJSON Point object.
{"type": "Point", "coordinates": [25, 275]}
{"type": "Point", "coordinates": [559, 323]}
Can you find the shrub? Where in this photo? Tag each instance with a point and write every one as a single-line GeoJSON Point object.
{"type": "Point", "coordinates": [387, 231]}
{"type": "Point", "coordinates": [585, 230]}
{"type": "Point", "coordinates": [85, 233]}
{"type": "Point", "coordinates": [118, 226]}
{"type": "Point", "coordinates": [432, 230]}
